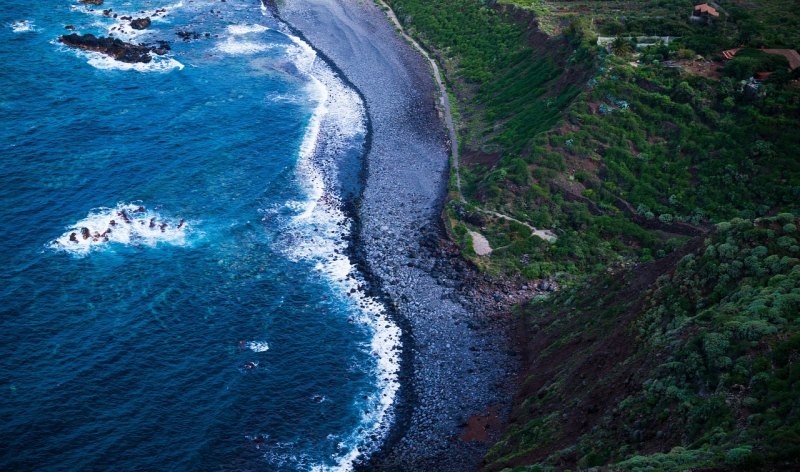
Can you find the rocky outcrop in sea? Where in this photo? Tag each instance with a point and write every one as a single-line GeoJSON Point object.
{"type": "Point", "coordinates": [116, 48]}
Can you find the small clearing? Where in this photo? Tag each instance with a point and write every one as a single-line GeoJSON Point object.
{"type": "Point", "coordinates": [480, 244]}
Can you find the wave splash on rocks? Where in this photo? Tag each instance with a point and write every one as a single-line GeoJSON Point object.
{"type": "Point", "coordinates": [127, 224]}
{"type": "Point", "coordinates": [117, 48]}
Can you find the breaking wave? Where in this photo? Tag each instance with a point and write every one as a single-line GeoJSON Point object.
{"type": "Point", "coordinates": [23, 26]}
{"type": "Point", "coordinates": [127, 224]}
{"type": "Point", "coordinates": [319, 230]}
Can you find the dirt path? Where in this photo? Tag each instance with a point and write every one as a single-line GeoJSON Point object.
{"type": "Point", "coordinates": [547, 235]}
{"type": "Point", "coordinates": [443, 98]}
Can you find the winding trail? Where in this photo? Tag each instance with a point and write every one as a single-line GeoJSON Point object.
{"type": "Point", "coordinates": [443, 97]}
{"type": "Point", "coordinates": [444, 100]}
{"type": "Point", "coordinates": [545, 234]}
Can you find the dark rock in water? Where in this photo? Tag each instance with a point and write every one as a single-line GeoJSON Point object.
{"type": "Point", "coordinates": [86, 233]}
{"type": "Point", "coordinates": [162, 48]}
{"type": "Point", "coordinates": [188, 35]}
{"type": "Point", "coordinates": [92, 2]}
{"type": "Point", "coordinates": [141, 23]}
{"type": "Point", "coordinates": [116, 48]}
{"type": "Point", "coordinates": [69, 28]}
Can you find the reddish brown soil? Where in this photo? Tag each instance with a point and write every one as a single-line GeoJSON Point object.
{"type": "Point", "coordinates": [484, 427]}
{"type": "Point", "coordinates": [471, 157]}
{"type": "Point", "coordinates": [708, 69]}
{"type": "Point", "coordinates": [598, 366]}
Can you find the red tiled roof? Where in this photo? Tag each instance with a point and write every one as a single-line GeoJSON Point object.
{"type": "Point", "coordinates": [706, 8]}
{"type": "Point", "coordinates": [730, 53]}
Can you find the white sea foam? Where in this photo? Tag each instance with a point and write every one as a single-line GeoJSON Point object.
{"type": "Point", "coordinates": [119, 28]}
{"type": "Point", "coordinates": [144, 227]}
{"type": "Point", "coordinates": [258, 346]}
{"type": "Point", "coordinates": [284, 455]}
{"type": "Point", "coordinates": [99, 60]}
{"type": "Point", "coordinates": [241, 30]}
{"type": "Point", "coordinates": [286, 98]}
{"type": "Point", "coordinates": [23, 26]}
{"type": "Point", "coordinates": [318, 232]}
{"type": "Point", "coordinates": [236, 47]}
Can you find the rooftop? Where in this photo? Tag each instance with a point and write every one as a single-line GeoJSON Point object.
{"type": "Point", "coordinates": [706, 8]}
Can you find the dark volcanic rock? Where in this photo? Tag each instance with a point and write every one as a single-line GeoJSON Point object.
{"type": "Point", "coordinates": [92, 2]}
{"type": "Point", "coordinates": [161, 48]}
{"type": "Point", "coordinates": [141, 23]}
{"type": "Point", "coordinates": [118, 49]}
{"type": "Point", "coordinates": [189, 35]}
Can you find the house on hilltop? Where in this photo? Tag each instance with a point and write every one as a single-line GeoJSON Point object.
{"type": "Point", "coordinates": [704, 13]}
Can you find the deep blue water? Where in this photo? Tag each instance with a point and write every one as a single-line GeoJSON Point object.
{"type": "Point", "coordinates": [149, 351]}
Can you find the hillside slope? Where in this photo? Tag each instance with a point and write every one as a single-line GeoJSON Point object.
{"type": "Point", "coordinates": [669, 177]}
{"type": "Point", "coordinates": [689, 361]}
{"type": "Point", "coordinates": [622, 155]}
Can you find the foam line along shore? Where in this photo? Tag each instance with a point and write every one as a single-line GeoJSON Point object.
{"type": "Point", "coordinates": [456, 353]}
{"type": "Point", "coordinates": [338, 122]}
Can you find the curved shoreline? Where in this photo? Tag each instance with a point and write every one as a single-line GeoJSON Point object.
{"type": "Point", "coordinates": [455, 357]}
{"type": "Point", "coordinates": [385, 429]}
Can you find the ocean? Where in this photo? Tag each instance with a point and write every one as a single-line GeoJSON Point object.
{"type": "Point", "coordinates": [177, 290]}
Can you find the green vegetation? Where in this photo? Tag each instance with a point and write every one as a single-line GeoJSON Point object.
{"type": "Point", "coordinates": [661, 169]}
{"type": "Point", "coordinates": [681, 147]}
{"type": "Point", "coordinates": [704, 366]}
{"type": "Point", "coordinates": [625, 169]}
{"type": "Point", "coordinates": [501, 78]}
{"type": "Point", "coordinates": [750, 61]}
{"type": "Point", "coordinates": [761, 23]}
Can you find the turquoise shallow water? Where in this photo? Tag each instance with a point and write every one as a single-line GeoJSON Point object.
{"type": "Point", "coordinates": [231, 339]}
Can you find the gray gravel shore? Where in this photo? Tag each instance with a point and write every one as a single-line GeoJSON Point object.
{"type": "Point", "coordinates": [457, 362]}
